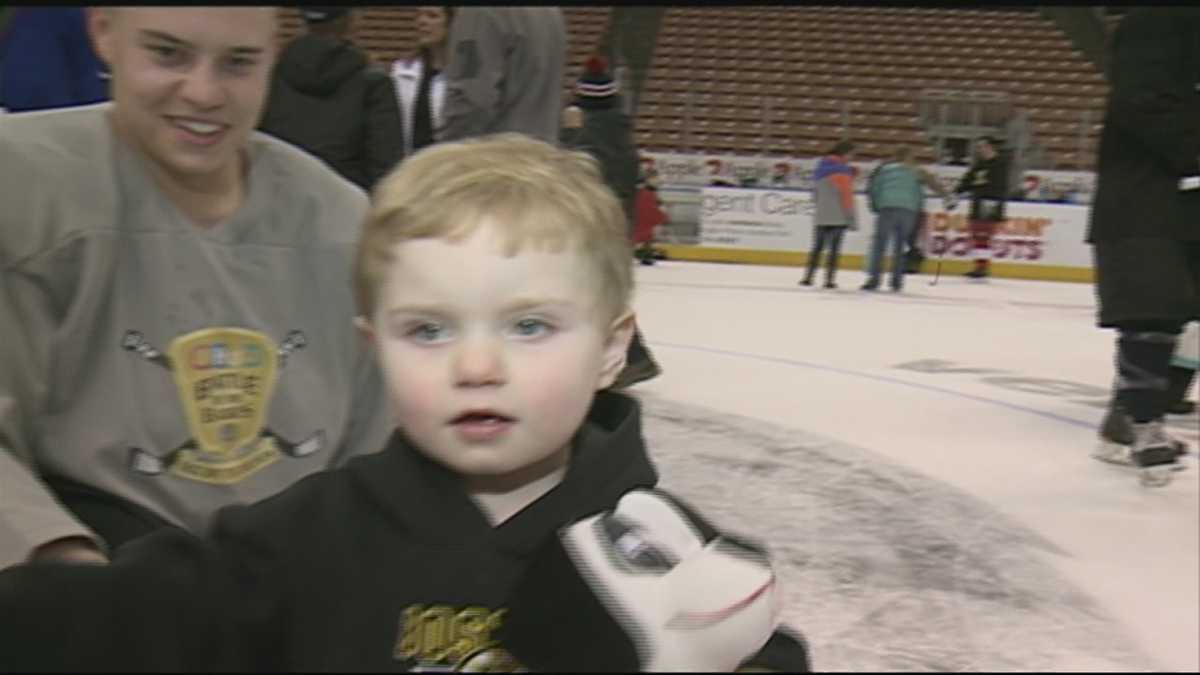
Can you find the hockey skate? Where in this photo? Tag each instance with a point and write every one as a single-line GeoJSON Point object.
{"type": "Point", "coordinates": [1117, 441]}
{"type": "Point", "coordinates": [1154, 454]}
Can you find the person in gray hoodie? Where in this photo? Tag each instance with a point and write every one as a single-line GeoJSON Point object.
{"type": "Point", "coordinates": [833, 195]}
{"type": "Point", "coordinates": [326, 99]}
{"type": "Point", "coordinates": [505, 72]}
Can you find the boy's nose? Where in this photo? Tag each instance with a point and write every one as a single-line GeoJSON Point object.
{"type": "Point", "coordinates": [479, 363]}
{"type": "Point", "coordinates": [202, 88]}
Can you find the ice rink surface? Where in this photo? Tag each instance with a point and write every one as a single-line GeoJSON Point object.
{"type": "Point", "coordinates": [919, 465]}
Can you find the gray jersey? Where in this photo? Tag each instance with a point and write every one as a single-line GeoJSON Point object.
{"type": "Point", "coordinates": [505, 72]}
{"type": "Point", "coordinates": [178, 367]}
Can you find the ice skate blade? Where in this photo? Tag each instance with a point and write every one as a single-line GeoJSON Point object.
{"type": "Point", "coordinates": [1112, 452]}
{"type": "Point", "coordinates": [1156, 476]}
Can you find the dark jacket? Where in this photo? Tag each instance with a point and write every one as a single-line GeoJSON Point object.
{"type": "Point", "coordinates": [1151, 135]}
{"type": "Point", "coordinates": [987, 182]}
{"type": "Point", "coordinates": [324, 98]}
{"type": "Point", "coordinates": [381, 565]}
{"type": "Point", "coordinates": [46, 61]}
{"type": "Point", "coordinates": [607, 135]}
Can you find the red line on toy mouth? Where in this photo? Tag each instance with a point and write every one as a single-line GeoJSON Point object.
{"type": "Point", "coordinates": [702, 619]}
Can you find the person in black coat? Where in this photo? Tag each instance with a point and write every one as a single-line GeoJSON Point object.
{"type": "Point", "coordinates": [607, 131]}
{"type": "Point", "coordinates": [986, 181]}
{"type": "Point", "coordinates": [1145, 219]}
{"type": "Point", "coordinates": [326, 99]}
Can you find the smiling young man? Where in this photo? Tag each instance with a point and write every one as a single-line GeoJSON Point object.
{"type": "Point", "coordinates": [161, 266]}
{"type": "Point", "coordinates": [513, 520]}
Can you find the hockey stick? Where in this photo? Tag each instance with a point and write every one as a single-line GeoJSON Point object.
{"type": "Point", "coordinates": [937, 271]}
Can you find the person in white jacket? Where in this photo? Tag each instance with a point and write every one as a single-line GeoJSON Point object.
{"type": "Point", "coordinates": [420, 80]}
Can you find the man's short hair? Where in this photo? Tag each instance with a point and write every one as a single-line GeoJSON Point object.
{"type": "Point", "coordinates": [842, 147]}
{"type": "Point", "coordinates": [318, 15]}
{"type": "Point", "coordinates": [535, 193]}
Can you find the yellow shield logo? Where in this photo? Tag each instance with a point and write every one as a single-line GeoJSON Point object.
{"type": "Point", "coordinates": [225, 378]}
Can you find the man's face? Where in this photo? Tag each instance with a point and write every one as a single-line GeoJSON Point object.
{"type": "Point", "coordinates": [189, 83]}
{"type": "Point", "coordinates": [985, 149]}
{"type": "Point", "coordinates": [491, 362]}
{"type": "Point", "coordinates": [431, 26]}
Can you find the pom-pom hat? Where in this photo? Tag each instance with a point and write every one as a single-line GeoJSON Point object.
{"type": "Point", "coordinates": [596, 82]}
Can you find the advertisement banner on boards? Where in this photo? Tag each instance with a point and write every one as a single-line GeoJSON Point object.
{"type": "Point", "coordinates": [768, 220]}
{"type": "Point", "coordinates": [695, 170]}
{"type": "Point", "coordinates": [781, 220]}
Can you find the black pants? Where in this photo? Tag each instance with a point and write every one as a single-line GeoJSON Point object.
{"type": "Point", "coordinates": [1144, 350]}
{"type": "Point", "coordinates": [826, 233]}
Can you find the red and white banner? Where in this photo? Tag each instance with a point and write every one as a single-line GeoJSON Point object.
{"type": "Point", "coordinates": [688, 170]}
{"type": "Point", "coordinates": [781, 220]}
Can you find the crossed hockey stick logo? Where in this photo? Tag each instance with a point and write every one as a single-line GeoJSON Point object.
{"type": "Point", "coordinates": [225, 378]}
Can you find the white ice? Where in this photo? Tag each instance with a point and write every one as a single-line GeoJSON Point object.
{"type": "Point", "coordinates": [926, 519]}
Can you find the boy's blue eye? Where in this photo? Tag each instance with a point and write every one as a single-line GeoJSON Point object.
{"type": "Point", "coordinates": [532, 327]}
{"type": "Point", "coordinates": [427, 332]}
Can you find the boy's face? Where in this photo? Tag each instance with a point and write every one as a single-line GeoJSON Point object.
{"type": "Point", "coordinates": [492, 362]}
{"type": "Point", "coordinates": [189, 83]}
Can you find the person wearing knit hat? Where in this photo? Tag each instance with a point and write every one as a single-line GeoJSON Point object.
{"type": "Point", "coordinates": [596, 83]}
{"type": "Point", "coordinates": [606, 133]}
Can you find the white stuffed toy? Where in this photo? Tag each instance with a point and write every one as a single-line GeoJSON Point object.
{"type": "Point", "coordinates": [642, 588]}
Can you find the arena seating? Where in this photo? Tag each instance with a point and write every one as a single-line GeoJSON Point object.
{"type": "Point", "coordinates": [775, 79]}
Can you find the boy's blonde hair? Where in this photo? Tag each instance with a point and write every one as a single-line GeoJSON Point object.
{"type": "Point", "coordinates": [533, 193]}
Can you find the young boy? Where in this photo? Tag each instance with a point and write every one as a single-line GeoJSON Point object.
{"type": "Point", "coordinates": [510, 524]}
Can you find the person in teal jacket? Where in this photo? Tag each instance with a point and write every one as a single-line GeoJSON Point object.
{"type": "Point", "coordinates": [895, 196]}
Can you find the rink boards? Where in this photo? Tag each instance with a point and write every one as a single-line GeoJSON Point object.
{"type": "Point", "coordinates": [774, 227]}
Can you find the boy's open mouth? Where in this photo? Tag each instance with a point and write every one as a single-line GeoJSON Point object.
{"type": "Point", "coordinates": [481, 417]}
{"type": "Point", "coordinates": [482, 426]}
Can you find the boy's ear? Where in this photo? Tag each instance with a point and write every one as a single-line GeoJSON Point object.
{"type": "Point", "coordinates": [616, 347]}
{"type": "Point", "coordinates": [365, 328]}
{"type": "Point", "coordinates": [99, 23]}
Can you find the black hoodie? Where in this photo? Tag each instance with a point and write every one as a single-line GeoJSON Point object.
{"type": "Point", "coordinates": [326, 99]}
{"type": "Point", "coordinates": [383, 565]}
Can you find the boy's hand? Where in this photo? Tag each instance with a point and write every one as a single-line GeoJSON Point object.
{"type": "Point", "coordinates": [640, 589]}
{"type": "Point", "coordinates": [70, 550]}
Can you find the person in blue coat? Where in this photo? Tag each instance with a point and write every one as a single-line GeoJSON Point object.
{"type": "Point", "coordinates": [47, 61]}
